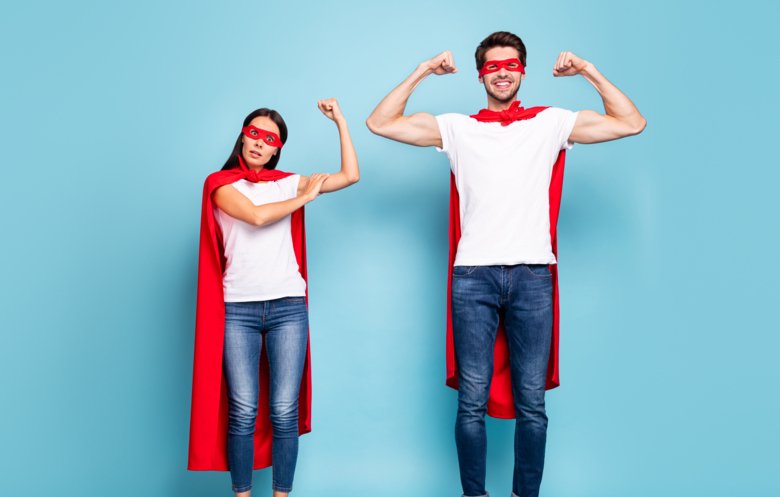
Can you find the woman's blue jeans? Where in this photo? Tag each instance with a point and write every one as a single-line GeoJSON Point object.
{"type": "Point", "coordinates": [521, 296]}
{"type": "Point", "coordinates": [284, 323]}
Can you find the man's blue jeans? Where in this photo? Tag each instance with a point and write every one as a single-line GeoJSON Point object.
{"type": "Point", "coordinates": [521, 296]}
{"type": "Point", "coordinates": [285, 324]}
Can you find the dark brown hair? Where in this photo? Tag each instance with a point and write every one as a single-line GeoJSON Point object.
{"type": "Point", "coordinates": [232, 161]}
{"type": "Point", "coordinates": [499, 39]}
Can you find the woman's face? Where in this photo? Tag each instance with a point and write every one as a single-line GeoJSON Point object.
{"type": "Point", "coordinates": [257, 152]}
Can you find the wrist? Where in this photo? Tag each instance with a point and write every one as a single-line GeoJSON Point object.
{"type": "Point", "coordinates": [588, 70]}
{"type": "Point", "coordinates": [423, 70]}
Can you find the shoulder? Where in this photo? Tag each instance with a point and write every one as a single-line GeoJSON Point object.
{"type": "Point", "coordinates": [556, 113]}
{"type": "Point", "coordinates": [220, 178]}
{"type": "Point", "coordinates": [452, 118]}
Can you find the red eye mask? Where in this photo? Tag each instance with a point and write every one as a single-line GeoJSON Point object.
{"type": "Point", "coordinates": [269, 137]}
{"type": "Point", "coordinates": [490, 66]}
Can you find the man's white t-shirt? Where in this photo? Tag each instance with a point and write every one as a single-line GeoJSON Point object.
{"type": "Point", "coordinates": [503, 178]}
{"type": "Point", "coordinates": [261, 262]}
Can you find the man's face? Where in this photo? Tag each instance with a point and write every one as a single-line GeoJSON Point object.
{"type": "Point", "coordinates": [502, 85]}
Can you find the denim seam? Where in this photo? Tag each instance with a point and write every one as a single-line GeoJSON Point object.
{"type": "Point", "coordinates": [280, 488]}
{"type": "Point", "coordinates": [538, 276]}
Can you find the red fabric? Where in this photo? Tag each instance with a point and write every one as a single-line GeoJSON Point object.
{"type": "Point", "coordinates": [502, 64]}
{"type": "Point", "coordinates": [209, 416]}
{"type": "Point", "coordinates": [270, 137]}
{"type": "Point", "coordinates": [500, 403]}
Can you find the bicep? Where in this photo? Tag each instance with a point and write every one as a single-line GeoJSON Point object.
{"type": "Point", "coordinates": [592, 127]}
{"type": "Point", "coordinates": [420, 129]}
{"type": "Point", "coordinates": [234, 204]}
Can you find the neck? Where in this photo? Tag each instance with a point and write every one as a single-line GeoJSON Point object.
{"type": "Point", "coordinates": [498, 106]}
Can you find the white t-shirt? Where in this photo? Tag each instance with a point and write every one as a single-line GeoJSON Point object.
{"type": "Point", "coordinates": [261, 262]}
{"type": "Point", "coordinates": [503, 178]}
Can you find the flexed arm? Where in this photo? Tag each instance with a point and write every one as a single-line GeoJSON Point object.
{"type": "Point", "coordinates": [350, 171]}
{"type": "Point", "coordinates": [419, 129]}
{"type": "Point", "coordinates": [621, 118]}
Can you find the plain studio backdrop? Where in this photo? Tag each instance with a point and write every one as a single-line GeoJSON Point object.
{"type": "Point", "coordinates": [113, 113]}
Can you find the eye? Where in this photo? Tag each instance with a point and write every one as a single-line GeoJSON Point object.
{"type": "Point", "coordinates": [490, 67]}
{"type": "Point", "coordinates": [253, 132]}
{"type": "Point", "coordinates": [269, 139]}
{"type": "Point", "coordinates": [512, 65]}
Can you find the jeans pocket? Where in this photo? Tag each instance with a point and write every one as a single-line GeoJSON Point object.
{"type": "Point", "coordinates": [460, 271]}
{"type": "Point", "coordinates": [541, 271]}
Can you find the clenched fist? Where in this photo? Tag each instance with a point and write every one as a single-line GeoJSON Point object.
{"type": "Point", "coordinates": [568, 64]}
{"type": "Point", "coordinates": [330, 107]}
{"type": "Point", "coordinates": [441, 64]}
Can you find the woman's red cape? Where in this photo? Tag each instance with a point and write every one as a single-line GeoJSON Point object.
{"type": "Point", "coordinates": [500, 404]}
{"type": "Point", "coordinates": [209, 416]}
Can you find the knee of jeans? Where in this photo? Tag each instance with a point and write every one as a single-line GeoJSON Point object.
{"type": "Point", "coordinates": [530, 406]}
{"type": "Point", "coordinates": [473, 399]}
{"type": "Point", "coordinates": [242, 419]}
{"type": "Point", "coordinates": [284, 417]}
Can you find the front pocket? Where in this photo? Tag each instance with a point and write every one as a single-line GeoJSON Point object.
{"type": "Point", "coordinates": [538, 270]}
{"type": "Point", "coordinates": [463, 270]}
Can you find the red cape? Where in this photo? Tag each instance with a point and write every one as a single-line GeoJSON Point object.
{"type": "Point", "coordinates": [500, 403]}
{"type": "Point", "coordinates": [209, 417]}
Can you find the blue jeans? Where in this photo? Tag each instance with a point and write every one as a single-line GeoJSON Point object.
{"type": "Point", "coordinates": [285, 324]}
{"type": "Point", "coordinates": [521, 296]}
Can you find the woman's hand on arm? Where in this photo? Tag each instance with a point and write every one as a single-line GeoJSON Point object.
{"type": "Point", "coordinates": [236, 205]}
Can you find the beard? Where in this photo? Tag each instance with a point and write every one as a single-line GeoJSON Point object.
{"type": "Point", "coordinates": [507, 97]}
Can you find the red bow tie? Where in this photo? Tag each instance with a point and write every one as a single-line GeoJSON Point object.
{"type": "Point", "coordinates": [507, 116]}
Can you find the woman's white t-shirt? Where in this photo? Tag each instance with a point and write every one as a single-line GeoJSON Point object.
{"type": "Point", "coordinates": [261, 262]}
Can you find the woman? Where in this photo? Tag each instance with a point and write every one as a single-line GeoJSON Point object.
{"type": "Point", "coordinates": [252, 313]}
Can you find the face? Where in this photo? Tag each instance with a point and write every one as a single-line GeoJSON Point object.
{"type": "Point", "coordinates": [257, 152]}
{"type": "Point", "coordinates": [502, 85]}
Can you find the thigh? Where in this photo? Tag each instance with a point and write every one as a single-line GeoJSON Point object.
{"type": "Point", "coordinates": [528, 324]}
{"type": "Point", "coordinates": [475, 313]}
{"type": "Point", "coordinates": [287, 337]}
{"type": "Point", "coordinates": [241, 351]}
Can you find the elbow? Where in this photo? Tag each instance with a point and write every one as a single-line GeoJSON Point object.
{"type": "Point", "coordinates": [259, 220]}
{"type": "Point", "coordinates": [638, 126]}
{"type": "Point", "coordinates": [353, 178]}
{"type": "Point", "coordinates": [375, 125]}
{"type": "Point", "coordinates": [372, 125]}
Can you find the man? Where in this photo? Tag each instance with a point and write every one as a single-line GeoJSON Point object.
{"type": "Point", "coordinates": [507, 167]}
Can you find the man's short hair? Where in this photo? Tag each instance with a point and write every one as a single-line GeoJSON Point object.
{"type": "Point", "coordinates": [499, 39]}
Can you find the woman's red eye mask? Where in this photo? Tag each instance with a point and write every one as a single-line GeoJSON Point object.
{"type": "Point", "coordinates": [268, 137]}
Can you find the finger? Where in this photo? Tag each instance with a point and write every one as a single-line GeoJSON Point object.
{"type": "Point", "coordinates": [567, 60]}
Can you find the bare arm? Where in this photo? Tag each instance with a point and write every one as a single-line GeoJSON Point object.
{"type": "Point", "coordinates": [621, 118]}
{"type": "Point", "coordinates": [350, 172]}
{"type": "Point", "coordinates": [419, 129]}
{"type": "Point", "coordinates": [236, 205]}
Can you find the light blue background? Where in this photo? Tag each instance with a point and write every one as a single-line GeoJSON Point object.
{"type": "Point", "coordinates": [114, 113]}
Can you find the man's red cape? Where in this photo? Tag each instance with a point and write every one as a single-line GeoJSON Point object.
{"type": "Point", "coordinates": [500, 404]}
{"type": "Point", "coordinates": [209, 417]}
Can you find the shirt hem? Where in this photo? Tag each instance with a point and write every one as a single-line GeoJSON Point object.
{"type": "Point", "coordinates": [261, 298]}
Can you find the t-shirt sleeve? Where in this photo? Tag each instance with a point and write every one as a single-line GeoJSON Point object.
{"type": "Point", "coordinates": [446, 124]}
{"type": "Point", "coordinates": [562, 122]}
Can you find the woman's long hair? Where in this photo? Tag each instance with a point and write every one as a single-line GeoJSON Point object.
{"type": "Point", "coordinates": [232, 161]}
